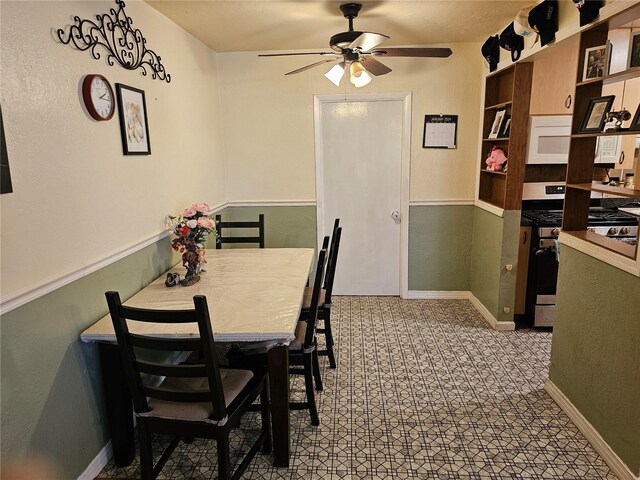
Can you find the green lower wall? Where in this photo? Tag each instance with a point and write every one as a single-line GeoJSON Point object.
{"type": "Point", "coordinates": [283, 226]}
{"type": "Point", "coordinates": [51, 394]}
{"type": "Point", "coordinates": [440, 247]}
{"type": "Point", "coordinates": [494, 245]}
{"type": "Point", "coordinates": [595, 353]}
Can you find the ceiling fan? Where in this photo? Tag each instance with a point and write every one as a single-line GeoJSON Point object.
{"type": "Point", "coordinates": [356, 50]}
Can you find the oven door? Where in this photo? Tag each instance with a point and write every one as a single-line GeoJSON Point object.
{"type": "Point", "coordinates": [543, 293]}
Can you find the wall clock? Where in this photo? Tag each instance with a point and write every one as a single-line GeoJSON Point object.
{"type": "Point", "coordinates": [98, 97]}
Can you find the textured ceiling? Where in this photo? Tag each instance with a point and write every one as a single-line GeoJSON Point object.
{"type": "Point", "coordinates": [231, 26]}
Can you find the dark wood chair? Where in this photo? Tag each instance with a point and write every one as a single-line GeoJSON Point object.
{"type": "Point", "coordinates": [324, 308]}
{"type": "Point", "coordinates": [303, 352]}
{"type": "Point", "coordinates": [194, 400]}
{"type": "Point", "coordinates": [225, 238]}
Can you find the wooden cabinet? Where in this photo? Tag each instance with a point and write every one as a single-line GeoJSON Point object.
{"type": "Point", "coordinates": [554, 79]}
{"type": "Point", "coordinates": [580, 169]}
{"type": "Point", "coordinates": [509, 90]}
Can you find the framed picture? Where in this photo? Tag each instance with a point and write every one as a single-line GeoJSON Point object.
{"type": "Point", "coordinates": [5, 173]}
{"type": "Point", "coordinates": [595, 61]}
{"type": "Point", "coordinates": [634, 50]}
{"type": "Point", "coordinates": [596, 115]}
{"type": "Point", "coordinates": [134, 127]}
{"type": "Point", "coordinates": [506, 127]}
{"type": "Point", "coordinates": [635, 121]}
{"type": "Point", "coordinates": [497, 123]}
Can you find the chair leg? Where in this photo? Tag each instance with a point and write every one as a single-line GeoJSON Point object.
{"type": "Point", "coordinates": [266, 421]}
{"type": "Point", "coordinates": [329, 339]}
{"type": "Point", "coordinates": [316, 369]}
{"type": "Point", "coordinates": [308, 383]}
{"type": "Point", "coordinates": [224, 460]}
{"type": "Point", "coordinates": [146, 454]}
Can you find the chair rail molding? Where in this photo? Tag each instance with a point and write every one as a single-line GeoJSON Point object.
{"type": "Point", "coordinates": [32, 292]}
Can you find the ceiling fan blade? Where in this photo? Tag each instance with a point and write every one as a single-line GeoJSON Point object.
{"type": "Point", "coordinates": [367, 40]}
{"type": "Point", "coordinates": [374, 67]}
{"type": "Point", "coordinates": [311, 66]}
{"type": "Point", "coordinates": [297, 53]}
{"type": "Point", "coordinates": [412, 52]}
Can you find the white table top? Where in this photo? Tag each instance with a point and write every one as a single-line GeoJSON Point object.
{"type": "Point", "coordinates": [253, 295]}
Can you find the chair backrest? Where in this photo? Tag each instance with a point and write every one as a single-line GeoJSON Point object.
{"type": "Point", "coordinates": [336, 224]}
{"type": "Point", "coordinates": [135, 366]}
{"type": "Point", "coordinates": [315, 299]}
{"type": "Point", "coordinates": [222, 238]}
{"type": "Point", "coordinates": [331, 268]}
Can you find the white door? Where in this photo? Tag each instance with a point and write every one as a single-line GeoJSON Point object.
{"type": "Point", "coordinates": [360, 163]}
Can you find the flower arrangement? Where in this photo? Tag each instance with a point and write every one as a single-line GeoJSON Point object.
{"type": "Point", "coordinates": [191, 228]}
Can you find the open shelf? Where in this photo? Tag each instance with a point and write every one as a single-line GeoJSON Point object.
{"type": "Point", "coordinates": [627, 74]}
{"type": "Point", "coordinates": [491, 172]}
{"type": "Point", "coordinates": [508, 89]}
{"type": "Point", "coordinates": [605, 134]}
{"type": "Point", "coordinates": [599, 187]}
{"type": "Point", "coordinates": [616, 246]}
{"type": "Point", "coordinates": [498, 106]}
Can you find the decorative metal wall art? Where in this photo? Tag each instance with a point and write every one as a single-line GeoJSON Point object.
{"type": "Point", "coordinates": [123, 43]}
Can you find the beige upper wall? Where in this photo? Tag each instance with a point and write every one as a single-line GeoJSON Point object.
{"type": "Point", "coordinates": [77, 199]}
{"type": "Point", "coordinates": [269, 132]}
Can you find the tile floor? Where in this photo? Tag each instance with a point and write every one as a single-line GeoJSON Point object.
{"type": "Point", "coordinates": [424, 389]}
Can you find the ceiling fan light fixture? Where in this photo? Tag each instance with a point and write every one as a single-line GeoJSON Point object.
{"type": "Point", "coordinates": [359, 76]}
{"type": "Point", "coordinates": [336, 74]}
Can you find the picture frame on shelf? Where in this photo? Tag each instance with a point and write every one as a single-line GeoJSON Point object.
{"type": "Point", "coordinates": [134, 126]}
{"type": "Point", "coordinates": [633, 58]}
{"type": "Point", "coordinates": [506, 127]}
{"type": "Point", "coordinates": [596, 116]}
{"type": "Point", "coordinates": [497, 123]}
{"type": "Point", "coordinates": [635, 121]}
{"type": "Point", "coordinates": [596, 60]}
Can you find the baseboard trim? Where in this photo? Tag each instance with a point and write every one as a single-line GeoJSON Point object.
{"type": "Point", "coordinates": [617, 466]}
{"type": "Point", "coordinates": [462, 295]}
{"type": "Point", "coordinates": [437, 295]}
{"type": "Point", "coordinates": [98, 463]}
{"type": "Point", "coordinates": [488, 316]}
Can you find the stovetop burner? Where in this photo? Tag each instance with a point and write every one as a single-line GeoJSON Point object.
{"type": "Point", "coordinates": [597, 216]}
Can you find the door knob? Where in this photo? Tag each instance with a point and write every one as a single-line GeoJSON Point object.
{"type": "Point", "coordinates": [396, 216]}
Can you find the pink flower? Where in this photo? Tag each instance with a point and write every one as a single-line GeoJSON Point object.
{"type": "Point", "coordinates": [205, 222]}
{"type": "Point", "coordinates": [203, 208]}
{"type": "Point", "coordinates": [189, 212]}
{"type": "Point", "coordinates": [193, 223]}
{"type": "Point", "coordinates": [184, 230]}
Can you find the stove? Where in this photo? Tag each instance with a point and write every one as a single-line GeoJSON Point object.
{"type": "Point", "coordinates": [543, 256]}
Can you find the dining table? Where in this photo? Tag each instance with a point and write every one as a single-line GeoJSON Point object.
{"type": "Point", "coordinates": [254, 296]}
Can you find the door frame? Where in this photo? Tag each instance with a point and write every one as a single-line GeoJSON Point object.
{"type": "Point", "coordinates": [405, 165]}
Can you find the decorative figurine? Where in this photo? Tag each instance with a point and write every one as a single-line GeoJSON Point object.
{"type": "Point", "coordinates": [496, 160]}
{"type": "Point", "coordinates": [190, 262]}
{"type": "Point", "coordinates": [616, 118]}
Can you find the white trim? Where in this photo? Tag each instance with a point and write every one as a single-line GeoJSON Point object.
{"type": "Point", "coordinates": [37, 290]}
{"type": "Point", "coordinates": [429, 203]}
{"type": "Point", "coordinates": [438, 295]}
{"type": "Point", "coordinates": [406, 98]}
{"type": "Point", "coordinates": [598, 443]}
{"type": "Point", "coordinates": [98, 463]}
{"type": "Point", "coordinates": [271, 203]}
{"type": "Point", "coordinates": [629, 265]}
{"type": "Point", "coordinates": [489, 208]}
{"type": "Point", "coordinates": [488, 316]}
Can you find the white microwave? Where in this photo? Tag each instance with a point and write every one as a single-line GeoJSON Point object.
{"type": "Point", "coordinates": [549, 139]}
{"type": "Point", "coordinates": [550, 136]}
